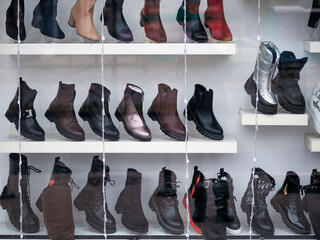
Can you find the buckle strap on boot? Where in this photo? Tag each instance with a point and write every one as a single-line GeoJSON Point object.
{"type": "Point", "coordinates": [29, 113]}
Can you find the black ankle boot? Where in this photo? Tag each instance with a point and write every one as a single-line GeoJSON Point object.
{"type": "Point", "coordinates": [90, 199]}
{"type": "Point", "coordinates": [287, 202]}
{"type": "Point", "coordinates": [29, 126]}
{"type": "Point", "coordinates": [165, 204]}
{"type": "Point", "coordinates": [129, 204]}
{"type": "Point", "coordinates": [200, 111]}
{"type": "Point", "coordinates": [11, 20]}
{"type": "Point", "coordinates": [91, 111]}
{"type": "Point", "coordinates": [10, 197]}
{"type": "Point", "coordinates": [44, 18]}
{"type": "Point", "coordinates": [115, 22]}
{"type": "Point", "coordinates": [263, 183]}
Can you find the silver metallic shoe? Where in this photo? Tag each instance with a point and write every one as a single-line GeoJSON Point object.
{"type": "Point", "coordinates": [266, 64]}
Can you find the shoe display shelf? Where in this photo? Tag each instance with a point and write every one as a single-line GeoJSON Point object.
{"type": "Point", "coordinates": [312, 142]}
{"type": "Point", "coordinates": [311, 46]}
{"type": "Point", "coordinates": [119, 49]}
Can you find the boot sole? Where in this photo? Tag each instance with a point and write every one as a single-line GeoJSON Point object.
{"type": "Point", "coordinates": [50, 117]}
{"type": "Point", "coordinates": [233, 231]}
{"type": "Point", "coordinates": [167, 228]}
{"type": "Point", "coordinates": [277, 207]}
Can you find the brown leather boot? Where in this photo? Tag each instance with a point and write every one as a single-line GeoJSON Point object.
{"type": "Point", "coordinates": [164, 111]}
{"type": "Point", "coordinates": [130, 113]}
{"type": "Point", "coordinates": [81, 17]}
{"type": "Point", "coordinates": [61, 112]}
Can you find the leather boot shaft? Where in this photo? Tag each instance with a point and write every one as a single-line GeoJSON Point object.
{"type": "Point", "coordinates": [11, 20]}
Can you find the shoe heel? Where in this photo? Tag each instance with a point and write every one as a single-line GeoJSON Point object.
{"type": "Point", "coordinates": [71, 21]}
{"type": "Point", "coordinates": [48, 115]}
{"type": "Point", "coordinates": [118, 115]}
{"type": "Point", "coordinates": [39, 204]}
{"type": "Point", "coordinates": [151, 204]}
{"type": "Point", "coordinates": [9, 116]}
{"type": "Point", "coordinates": [83, 114]}
{"type": "Point", "coordinates": [78, 203]}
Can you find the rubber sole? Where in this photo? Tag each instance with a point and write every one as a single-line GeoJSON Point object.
{"type": "Point", "coordinates": [233, 231]}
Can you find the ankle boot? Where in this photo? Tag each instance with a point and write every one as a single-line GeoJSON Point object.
{"type": "Point", "coordinates": [164, 111]}
{"type": "Point", "coordinates": [285, 84]}
{"type": "Point", "coordinates": [91, 111]}
{"type": "Point", "coordinates": [129, 203]}
{"type": "Point", "coordinates": [29, 126]}
{"type": "Point", "coordinates": [81, 17]}
{"type": "Point", "coordinates": [130, 113]}
{"type": "Point", "coordinates": [263, 183]}
{"type": "Point", "coordinates": [90, 199]}
{"type": "Point", "coordinates": [61, 112]}
{"type": "Point", "coordinates": [115, 22]}
{"type": "Point", "coordinates": [234, 226]}
{"type": "Point", "coordinates": [44, 18]}
{"type": "Point", "coordinates": [10, 197]}
{"type": "Point", "coordinates": [11, 20]}
{"type": "Point", "coordinates": [165, 204]}
{"type": "Point", "coordinates": [194, 28]}
{"type": "Point", "coordinates": [311, 201]}
{"type": "Point", "coordinates": [266, 64]}
{"type": "Point", "coordinates": [199, 110]}
{"type": "Point", "coordinates": [55, 202]}
{"type": "Point", "coordinates": [151, 21]}
{"type": "Point", "coordinates": [216, 22]}
{"type": "Point", "coordinates": [287, 202]}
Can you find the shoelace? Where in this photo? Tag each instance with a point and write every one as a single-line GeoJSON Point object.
{"type": "Point", "coordinates": [73, 184]}
{"type": "Point", "coordinates": [263, 189]}
{"type": "Point", "coordinates": [25, 186]}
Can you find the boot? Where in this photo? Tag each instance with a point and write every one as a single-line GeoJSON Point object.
{"type": "Point", "coordinates": [29, 126]}
{"type": "Point", "coordinates": [11, 20]}
{"type": "Point", "coordinates": [56, 203]}
{"type": "Point", "coordinates": [216, 22]}
{"type": "Point", "coordinates": [115, 22]}
{"type": "Point", "coordinates": [311, 200]}
{"type": "Point", "coordinates": [164, 111]}
{"type": "Point", "coordinates": [81, 17]}
{"type": "Point", "coordinates": [91, 111]}
{"type": "Point", "coordinates": [287, 202]}
{"type": "Point", "coordinates": [165, 204]}
{"type": "Point", "coordinates": [285, 84]}
{"type": "Point", "coordinates": [263, 183]}
{"type": "Point", "coordinates": [10, 197]}
{"type": "Point", "coordinates": [129, 203]}
{"type": "Point", "coordinates": [44, 18]}
{"type": "Point", "coordinates": [61, 112]}
{"type": "Point", "coordinates": [90, 199]}
{"type": "Point", "coordinates": [233, 227]}
{"type": "Point", "coordinates": [266, 64]}
{"type": "Point", "coordinates": [199, 110]}
{"type": "Point", "coordinates": [130, 113]}
{"type": "Point", "coordinates": [151, 21]}
{"type": "Point", "coordinates": [194, 28]}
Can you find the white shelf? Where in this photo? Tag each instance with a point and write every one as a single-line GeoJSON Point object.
{"type": "Point", "coordinates": [126, 144]}
{"type": "Point", "coordinates": [119, 49]}
{"type": "Point", "coordinates": [312, 142]}
{"type": "Point", "coordinates": [247, 117]}
{"type": "Point", "coordinates": [311, 46]}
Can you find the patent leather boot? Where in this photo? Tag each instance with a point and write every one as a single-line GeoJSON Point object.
{"type": "Point", "coordinates": [266, 64]}
{"type": "Point", "coordinates": [164, 111]}
{"type": "Point", "coordinates": [91, 111]}
{"type": "Point", "coordinates": [11, 20]}
{"type": "Point", "coordinates": [151, 21]}
{"type": "Point", "coordinates": [29, 126]}
{"type": "Point", "coordinates": [44, 18]}
{"type": "Point", "coordinates": [129, 112]}
{"type": "Point", "coordinates": [81, 18]}
{"type": "Point", "coordinates": [285, 84]}
{"type": "Point", "coordinates": [199, 110]}
{"type": "Point", "coordinates": [165, 204]}
{"type": "Point", "coordinates": [194, 28]}
{"type": "Point", "coordinates": [10, 196]}
{"type": "Point", "coordinates": [263, 183]}
{"type": "Point", "coordinates": [216, 22]}
{"type": "Point", "coordinates": [61, 112]}
{"type": "Point", "coordinates": [55, 202]}
{"type": "Point", "coordinates": [129, 203]}
{"type": "Point", "coordinates": [311, 201]}
{"type": "Point", "coordinates": [115, 22]}
{"type": "Point", "coordinates": [287, 202]}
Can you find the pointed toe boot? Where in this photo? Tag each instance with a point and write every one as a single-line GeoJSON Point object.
{"type": "Point", "coordinates": [44, 18]}
{"type": "Point", "coordinates": [61, 112]}
{"type": "Point", "coordinates": [12, 22]}
{"type": "Point", "coordinates": [91, 111]}
{"type": "Point", "coordinates": [29, 126]}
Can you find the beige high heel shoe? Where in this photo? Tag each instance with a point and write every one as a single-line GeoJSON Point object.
{"type": "Point", "coordinates": [81, 17]}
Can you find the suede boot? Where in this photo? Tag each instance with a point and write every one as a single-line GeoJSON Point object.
{"type": "Point", "coordinates": [11, 20]}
